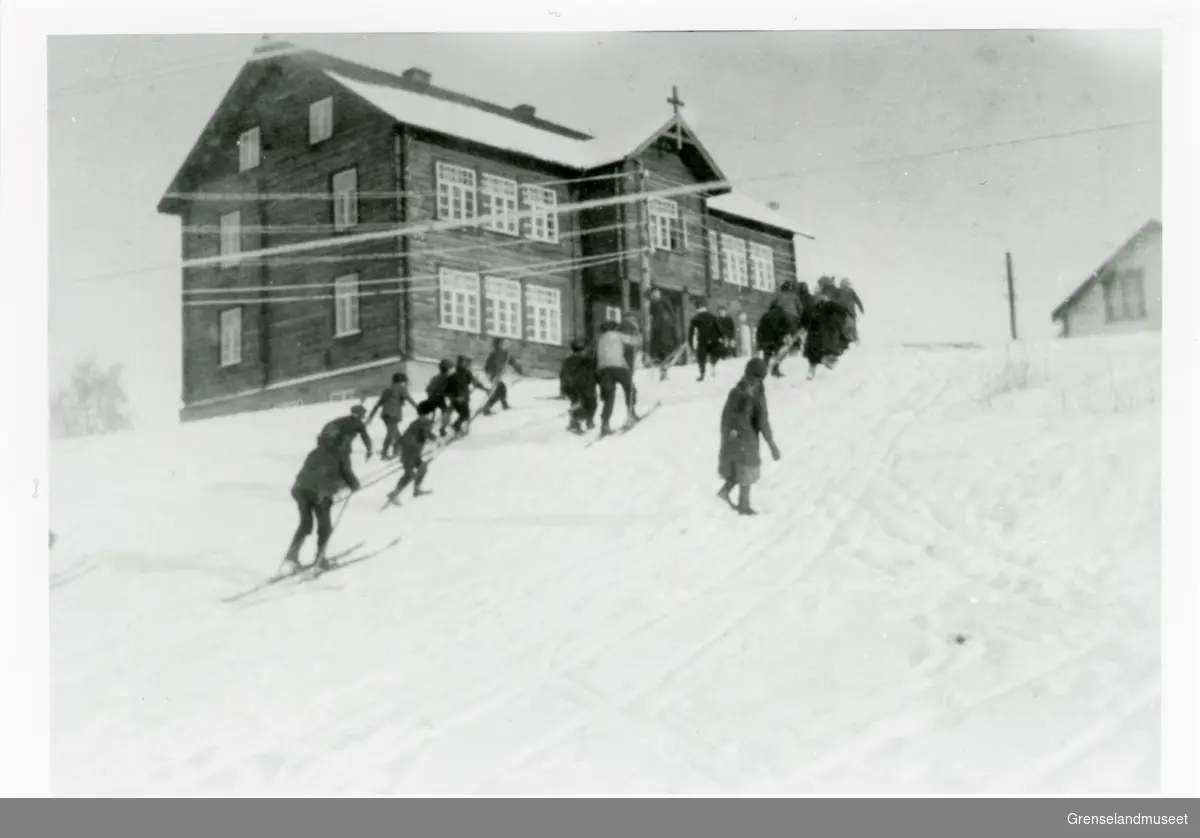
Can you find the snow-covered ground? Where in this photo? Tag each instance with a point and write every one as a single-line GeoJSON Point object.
{"type": "Point", "coordinates": [565, 620]}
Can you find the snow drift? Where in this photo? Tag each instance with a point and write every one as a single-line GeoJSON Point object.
{"type": "Point", "coordinates": [953, 588]}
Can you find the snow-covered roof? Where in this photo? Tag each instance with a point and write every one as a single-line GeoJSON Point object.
{"type": "Point", "coordinates": [743, 206]}
{"type": "Point", "coordinates": [497, 131]}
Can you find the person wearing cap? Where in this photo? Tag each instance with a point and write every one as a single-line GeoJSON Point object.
{"type": "Point", "coordinates": [458, 392]}
{"type": "Point", "coordinates": [744, 419]}
{"type": "Point", "coordinates": [412, 453]}
{"type": "Point", "coordinates": [578, 379]}
{"type": "Point", "coordinates": [494, 367]}
{"type": "Point", "coordinates": [435, 390]}
{"type": "Point", "coordinates": [704, 337]}
{"type": "Point", "coordinates": [341, 432]}
{"type": "Point", "coordinates": [612, 369]}
{"type": "Point", "coordinates": [326, 471]}
{"type": "Point", "coordinates": [391, 402]}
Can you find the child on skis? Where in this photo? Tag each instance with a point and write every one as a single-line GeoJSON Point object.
{"type": "Point", "coordinates": [578, 379]}
{"type": "Point", "coordinates": [435, 391]}
{"type": "Point", "coordinates": [612, 369]}
{"type": "Point", "coordinates": [494, 367]}
{"type": "Point", "coordinates": [391, 402]}
{"type": "Point", "coordinates": [325, 472]}
{"type": "Point", "coordinates": [743, 421]}
{"type": "Point", "coordinates": [458, 393]}
{"type": "Point", "coordinates": [412, 452]}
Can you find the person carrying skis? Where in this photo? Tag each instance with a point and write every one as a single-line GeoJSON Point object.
{"type": "Point", "coordinates": [612, 368]}
{"type": "Point", "coordinates": [412, 452]}
{"type": "Point", "coordinates": [458, 393]}
{"type": "Point", "coordinates": [578, 379]}
{"type": "Point", "coordinates": [494, 367]}
{"type": "Point", "coordinates": [743, 421]}
{"type": "Point", "coordinates": [342, 431]}
{"type": "Point", "coordinates": [391, 402]}
{"type": "Point", "coordinates": [325, 472]}
{"type": "Point", "coordinates": [704, 337]}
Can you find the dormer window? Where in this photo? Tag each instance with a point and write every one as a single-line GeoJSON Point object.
{"type": "Point", "coordinates": [249, 149]}
{"type": "Point", "coordinates": [320, 120]}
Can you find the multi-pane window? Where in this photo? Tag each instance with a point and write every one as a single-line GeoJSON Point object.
{"type": "Point", "coordinates": [1124, 296]}
{"type": "Point", "coordinates": [502, 307]}
{"type": "Point", "coordinates": [458, 293]}
{"type": "Point", "coordinates": [455, 192]}
{"type": "Point", "coordinates": [231, 337]}
{"type": "Point", "coordinates": [543, 226]}
{"type": "Point", "coordinates": [543, 314]}
{"type": "Point", "coordinates": [612, 314]}
{"type": "Point", "coordinates": [231, 234]}
{"type": "Point", "coordinates": [249, 149]}
{"type": "Point", "coordinates": [714, 255]}
{"type": "Point", "coordinates": [320, 120]}
{"type": "Point", "coordinates": [762, 267]}
{"type": "Point", "coordinates": [733, 260]}
{"type": "Point", "coordinates": [345, 199]}
{"type": "Point", "coordinates": [345, 305]}
{"type": "Point", "coordinates": [500, 202]}
{"type": "Point", "coordinates": [666, 225]}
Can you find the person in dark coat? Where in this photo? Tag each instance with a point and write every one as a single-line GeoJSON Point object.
{"type": "Point", "coordinates": [325, 472]}
{"type": "Point", "coordinates": [807, 302]}
{"type": "Point", "coordinates": [344, 429]}
{"type": "Point", "coordinates": [459, 385]}
{"type": "Point", "coordinates": [771, 337]}
{"type": "Point", "coordinates": [391, 402]}
{"type": "Point", "coordinates": [744, 419]}
{"type": "Point", "coordinates": [728, 333]}
{"type": "Point", "coordinates": [494, 367]}
{"type": "Point", "coordinates": [412, 452]}
{"type": "Point", "coordinates": [629, 326]}
{"type": "Point", "coordinates": [704, 338]}
{"type": "Point", "coordinates": [435, 390]}
{"type": "Point", "coordinates": [787, 300]}
{"type": "Point", "coordinates": [825, 340]}
{"type": "Point", "coordinates": [664, 328]}
{"type": "Point", "coordinates": [579, 383]}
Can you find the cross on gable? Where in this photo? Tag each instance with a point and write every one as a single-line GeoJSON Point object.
{"type": "Point", "coordinates": [676, 103]}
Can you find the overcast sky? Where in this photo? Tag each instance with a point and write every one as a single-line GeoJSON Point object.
{"type": "Point", "coordinates": [923, 239]}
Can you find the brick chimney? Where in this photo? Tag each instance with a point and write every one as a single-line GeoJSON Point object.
{"type": "Point", "coordinates": [525, 111]}
{"type": "Point", "coordinates": [417, 76]}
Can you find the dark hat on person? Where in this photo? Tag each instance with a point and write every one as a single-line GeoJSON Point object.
{"type": "Point", "coordinates": [756, 368]}
{"type": "Point", "coordinates": [577, 345]}
{"type": "Point", "coordinates": [399, 378]}
{"type": "Point", "coordinates": [358, 410]}
{"type": "Point", "coordinates": [426, 407]}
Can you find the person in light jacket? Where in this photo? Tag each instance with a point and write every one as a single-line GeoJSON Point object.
{"type": "Point", "coordinates": [612, 369]}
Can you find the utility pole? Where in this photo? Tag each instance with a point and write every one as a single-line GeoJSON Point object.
{"type": "Point", "coordinates": [1012, 298]}
{"type": "Point", "coordinates": [644, 256]}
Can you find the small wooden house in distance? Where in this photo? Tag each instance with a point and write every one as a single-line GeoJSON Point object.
{"type": "Point", "coordinates": [317, 161]}
{"type": "Point", "coordinates": [1123, 295]}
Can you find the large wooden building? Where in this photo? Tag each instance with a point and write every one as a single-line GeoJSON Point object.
{"type": "Point", "coordinates": [317, 161]}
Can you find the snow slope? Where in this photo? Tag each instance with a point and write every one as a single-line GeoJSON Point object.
{"type": "Point", "coordinates": [560, 620]}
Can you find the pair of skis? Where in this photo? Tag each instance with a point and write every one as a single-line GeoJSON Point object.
{"type": "Point", "coordinates": [627, 427]}
{"type": "Point", "coordinates": [311, 572]}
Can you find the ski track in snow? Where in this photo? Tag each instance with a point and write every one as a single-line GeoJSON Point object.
{"type": "Point", "coordinates": [558, 619]}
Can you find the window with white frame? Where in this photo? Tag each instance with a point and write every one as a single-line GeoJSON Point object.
{"type": "Point", "coordinates": [543, 226]}
{"type": "Point", "coordinates": [320, 120]}
{"type": "Point", "coordinates": [762, 267]}
{"type": "Point", "coordinates": [502, 307]}
{"type": "Point", "coordinates": [345, 199]}
{"type": "Point", "coordinates": [543, 314]}
{"type": "Point", "coordinates": [612, 314]}
{"type": "Point", "coordinates": [231, 337]}
{"type": "Point", "coordinates": [733, 260]}
{"type": "Point", "coordinates": [714, 255]}
{"type": "Point", "coordinates": [249, 149]}
{"type": "Point", "coordinates": [500, 202]}
{"type": "Point", "coordinates": [458, 292]}
{"type": "Point", "coordinates": [345, 306]}
{"type": "Point", "coordinates": [666, 225]}
{"type": "Point", "coordinates": [231, 234]}
{"type": "Point", "coordinates": [455, 192]}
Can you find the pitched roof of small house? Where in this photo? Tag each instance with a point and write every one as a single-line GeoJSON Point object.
{"type": "Point", "coordinates": [1153, 227]}
{"type": "Point", "coordinates": [411, 99]}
